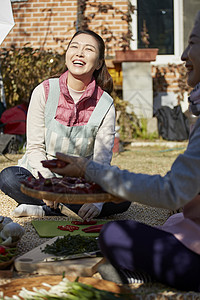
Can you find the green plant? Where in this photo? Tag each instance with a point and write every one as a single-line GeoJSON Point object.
{"type": "Point", "coordinates": [143, 131]}
{"type": "Point", "coordinates": [130, 126]}
{"type": "Point", "coordinates": [145, 35]}
{"type": "Point", "coordinates": [24, 68]}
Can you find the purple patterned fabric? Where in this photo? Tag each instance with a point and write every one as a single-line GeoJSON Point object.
{"type": "Point", "coordinates": [130, 245]}
{"type": "Point", "coordinates": [194, 100]}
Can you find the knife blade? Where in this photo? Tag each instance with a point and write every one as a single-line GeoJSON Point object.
{"type": "Point", "coordinates": [73, 256]}
{"type": "Point", "coordinates": [68, 212]}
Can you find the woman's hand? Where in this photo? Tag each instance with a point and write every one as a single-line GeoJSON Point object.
{"type": "Point", "coordinates": [51, 204]}
{"type": "Point", "coordinates": [88, 211]}
{"type": "Point", "coordinates": [75, 166]}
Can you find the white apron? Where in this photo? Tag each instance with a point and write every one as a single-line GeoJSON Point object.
{"type": "Point", "coordinates": [75, 140]}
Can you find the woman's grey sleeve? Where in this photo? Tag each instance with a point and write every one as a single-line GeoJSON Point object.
{"type": "Point", "coordinates": [172, 191]}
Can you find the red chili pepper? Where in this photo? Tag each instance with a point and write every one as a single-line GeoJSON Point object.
{"type": "Point", "coordinates": [68, 228]}
{"type": "Point", "coordinates": [53, 163]}
{"type": "Point", "coordinates": [92, 222]}
{"type": "Point", "coordinates": [95, 228]}
{"type": "Point", "coordinates": [2, 250]}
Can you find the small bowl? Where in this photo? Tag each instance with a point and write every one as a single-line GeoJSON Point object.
{"type": "Point", "coordinates": [5, 264]}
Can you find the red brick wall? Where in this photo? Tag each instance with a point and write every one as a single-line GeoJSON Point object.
{"type": "Point", "coordinates": [51, 23]}
{"type": "Point", "coordinates": [42, 23]}
{"type": "Point", "coordinates": [109, 24]}
{"type": "Point", "coordinates": [165, 78]}
{"type": "Point", "coordinates": [171, 78]}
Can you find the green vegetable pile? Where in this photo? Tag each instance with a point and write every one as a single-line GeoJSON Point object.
{"type": "Point", "coordinates": [6, 253]}
{"type": "Point", "coordinates": [72, 244]}
{"type": "Point", "coordinates": [67, 290]}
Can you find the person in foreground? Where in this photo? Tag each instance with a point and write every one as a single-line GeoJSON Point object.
{"type": "Point", "coordinates": [72, 113]}
{"type": "Point", "coordinates": [169, 253]}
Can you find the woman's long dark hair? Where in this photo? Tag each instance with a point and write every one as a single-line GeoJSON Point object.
{"type": "Point", "coordinates": [102, 76]}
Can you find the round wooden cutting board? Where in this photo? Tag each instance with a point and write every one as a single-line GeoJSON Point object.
{"type": "Point", "coordinates": [69, 198]}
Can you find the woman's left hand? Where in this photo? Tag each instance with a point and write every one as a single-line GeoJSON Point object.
{"type": "Point", "coordinates": [88, 211]}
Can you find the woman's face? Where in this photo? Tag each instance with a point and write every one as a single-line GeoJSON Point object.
{"type": "Point", "coordinates": [82, 57]}
{"type": "Point", "coordinates": [191, 55]}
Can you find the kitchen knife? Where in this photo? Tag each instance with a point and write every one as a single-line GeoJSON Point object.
{"type": "Point", "coordinates": [73, 256]}
{"type": "Point", "coordinates": [68, 212]}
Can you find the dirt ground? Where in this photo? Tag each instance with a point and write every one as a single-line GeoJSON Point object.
{"type": "Point", "coordinates": [144, 158]}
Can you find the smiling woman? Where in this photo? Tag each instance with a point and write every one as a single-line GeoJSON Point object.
{"type": "Point", "coordinates": [191, 55]}
{"type": "Point", "coordinates": [82, 59]}
{"type": "Point", "coordinates": [72, 113]}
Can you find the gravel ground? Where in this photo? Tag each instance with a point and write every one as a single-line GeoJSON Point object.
{"type": "Point", "coordinates": [148, 215]}
{"type": "Point", "coordinates": [137, 212]}
{"type": "Point", "coordinates": [31, 239]}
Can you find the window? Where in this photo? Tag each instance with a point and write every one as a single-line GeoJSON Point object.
{"type": "Point", "coordinates": [157, 17]}
{"type": "Point", "coordinates": [164, 25]}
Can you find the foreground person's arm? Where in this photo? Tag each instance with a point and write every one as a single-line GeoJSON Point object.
{"type": "Point", "coordinates": [172, 191]}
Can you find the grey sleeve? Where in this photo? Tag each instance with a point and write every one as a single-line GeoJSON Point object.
{"type": "Point", "coordinates": [172, 191]}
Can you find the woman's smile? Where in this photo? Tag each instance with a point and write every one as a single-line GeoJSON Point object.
{"type": "Point", "coordinates": [78, 62]}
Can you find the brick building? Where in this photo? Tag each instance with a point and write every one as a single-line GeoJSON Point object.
{"type": "Point", "coordinates": [49, 24]}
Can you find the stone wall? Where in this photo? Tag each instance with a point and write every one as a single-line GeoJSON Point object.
{"type": "Point", "coordinates": [138, 88]}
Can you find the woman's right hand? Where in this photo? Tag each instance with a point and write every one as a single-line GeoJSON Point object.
{"type": "Point", "coordinates": [88, 211]}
